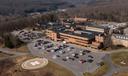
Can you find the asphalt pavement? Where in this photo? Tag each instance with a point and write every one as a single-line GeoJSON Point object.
{"type": "Point", "coordinates": [76, 67]}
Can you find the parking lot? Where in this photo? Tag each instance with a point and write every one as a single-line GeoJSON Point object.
{"type": "Point", "coordinates": [74, 58]}
{"type": "Point", "coordinates": [27, 35]}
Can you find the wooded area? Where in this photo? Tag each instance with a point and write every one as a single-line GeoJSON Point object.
{"type": "Point", "coordinates": [114, 10]}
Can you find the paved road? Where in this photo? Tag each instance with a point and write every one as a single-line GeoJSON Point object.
{"type": "Point", "coordinates": [9, 51]}
{"type": "Point", "coordinates": [13, 53]}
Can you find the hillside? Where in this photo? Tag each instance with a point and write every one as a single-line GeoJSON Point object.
{"type": "Point", "coordinates": [114, 10]}
{"type": "Point", "coordinates": [8, 7]}
{"type": "Point", "coordinates": [12, 7]}
{"type": "Point", "coordinates": [110, 10]}
{"type": "Point", "coordinates": [80, 2]}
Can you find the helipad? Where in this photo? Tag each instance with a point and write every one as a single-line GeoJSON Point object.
{"type": "Point", "coordinates": [34, 63]}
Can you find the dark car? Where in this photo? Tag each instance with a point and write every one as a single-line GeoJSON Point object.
{"type": "Point", "coordinates": [46, 42]}
{"type": "Point", "coordinates": [36, 45]}
{"type": "Point", "coordinates": [57, 55]}
{"type": "Point", "coordinates": [83, 53]}
{"type": "Point", "coordinates": [72, 58]}
{"type": "Point", "coordinates": [72, 48]}
{"type": "Point", "coordinates": [65, 46]}
{"type": "Point", "coordinates": [56, 49]}
{"type": "Point", "coordinates": [49, 46]}
{"type": "Point", "coordinates": [90, 60]}
{"type": "Point", "coordinates": [90, 56]}
{"type": "Point", "coordinates": [76, 56]}
{"type": "Point", "coordinates": [64, 59]}
{"type": "Point", "coordinates": [88, 51]}
{"type": "Point", "coordinates": [48, 50]}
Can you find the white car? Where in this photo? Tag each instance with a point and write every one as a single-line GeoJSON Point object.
{"type": "Point", "coordinates": [81, 51]}
{"type": "Point", "coordinates": [67, 57]}
{"type": "Point", "coordinates": [73, 54]}
{"type": "Point", "coordinates": [60, 52]}
{"type": "Point", "coordinates": [52, 50]}
{"type": "Point", "coordinates": [80, 54]}
{"type": "Point", "coordinates": [54, 57]}
{"type": "Point", "coordinates": [68, 49]}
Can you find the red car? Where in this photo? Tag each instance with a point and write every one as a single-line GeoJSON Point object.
{"type": "Point", "coordinates": [82, 61]}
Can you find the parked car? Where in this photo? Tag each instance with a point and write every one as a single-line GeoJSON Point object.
{"type": "Point", "coordinates": [64, 59]}
{"type": "Point", "coordinates": [90, 60]}
{"type": "Point", "coordinates": [67, 57]}
{"type": "Point", "coordinates": [76, 56]}
{"type": "Point", "coordinates": [71, 58]}
{"type": "Point", "coordinates": [88, 51]}
{"type": "Point", "coordinates": [57, 55]}
{"type": "Point", "coordinates": [82, 61]}
{"type": "Point", "coordinates": [90, 56]}
{"type": "Point", "coordinates": [52, 51]}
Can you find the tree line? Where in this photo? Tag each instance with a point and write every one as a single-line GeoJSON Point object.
{"type": "Point", "coordinates": [115, 10]}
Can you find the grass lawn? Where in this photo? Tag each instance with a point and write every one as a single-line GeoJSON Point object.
{"type": "Point", "coordinates": [120, 58]}
{"type": "Point", "coordinates": [13, 68]}
{"type": "Point", "coordinates": [99, 72]}
{"type": "Point", "coordinates": [23, 48]}
{"type": "Point", "coordinates": [57, 70]}
{"type": "Point", "coordinates": [121, 74]}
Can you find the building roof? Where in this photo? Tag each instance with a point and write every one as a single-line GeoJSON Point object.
{"type": "Point", "coordinates": [86, 23]}
{"type": "Point", "coordinates": [79, 33]}
{"type": "Point", "coordinates": [92, 24]}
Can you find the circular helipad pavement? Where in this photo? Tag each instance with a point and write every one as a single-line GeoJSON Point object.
{"type": "Point", "coordinates": [34, 63]}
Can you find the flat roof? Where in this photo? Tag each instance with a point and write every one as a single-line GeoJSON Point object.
{"type": "Point", "coordinates": [80, 33]}
{"type": "Point", "coordinates": [92, 24]}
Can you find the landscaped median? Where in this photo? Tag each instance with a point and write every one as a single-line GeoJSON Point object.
{"type": "Point", "coordinates": [98, 72]}
{"type": "Point", "coordinates": [120, 58]}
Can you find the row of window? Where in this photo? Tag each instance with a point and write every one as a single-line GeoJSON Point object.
{"type": "Point", "coordinates": [122, 37]}
{"type": "Point", "coordinates": [65, 36]}
{"type": "Point", "coordinates": [78, 40]}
